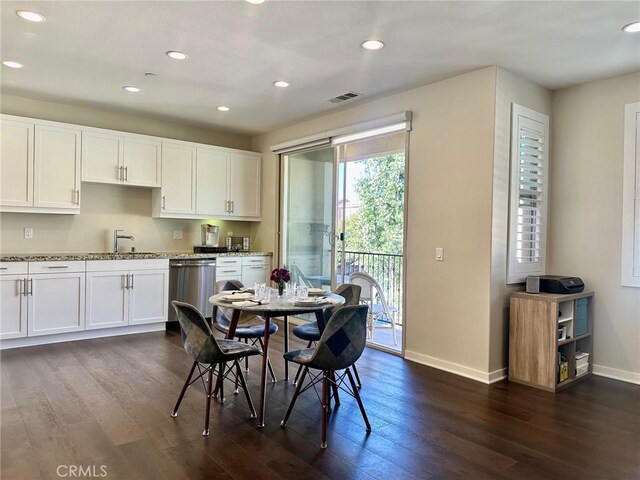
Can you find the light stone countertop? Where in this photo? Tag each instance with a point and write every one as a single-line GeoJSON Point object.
{"type": "Point", "coordinates": [48, 257]}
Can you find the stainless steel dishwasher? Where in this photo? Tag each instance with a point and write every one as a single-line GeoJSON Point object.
{"type": "Point", "coordinates": [192, 281]}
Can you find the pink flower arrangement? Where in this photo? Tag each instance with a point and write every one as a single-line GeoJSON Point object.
{"type": "Point", "coordinates": [280, 275]}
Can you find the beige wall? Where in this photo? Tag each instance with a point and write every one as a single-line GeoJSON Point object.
{"type": "Point", "coordinates": [586, 213]}
{"type": "Point", "coordinates": [105, 207]}
{"type": "Point", "coordinates": [449, 205]}
{"type": "Point", "coordinates": [510, 88]}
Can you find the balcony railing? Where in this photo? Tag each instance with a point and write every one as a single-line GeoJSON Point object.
{"type": "Point", "coordinates": [385, 268]}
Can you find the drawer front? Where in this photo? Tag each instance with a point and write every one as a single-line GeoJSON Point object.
{"type": "Point", "coordinates": [247, 261]}
{"type": "Point", "coordinates": [121, 265]}
{"type": "Point", "coordinates": [224, 271]}
{"type": "Point", "coordinates": [15, 268]}
{"type": "Point", "coordinates": [228, 262]}
{"type": "Point", "coordinates": [57, 266]}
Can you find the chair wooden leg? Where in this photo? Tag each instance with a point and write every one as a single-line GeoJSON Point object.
{"type": "Point", "coordinates": [246, 359]}
{"type": "Point", "coordinates": [356, 394]}
{"type": "Point", "coordinates": [221, 381]}
{"type": "Point", "coordinates": [295, 395]}
{"type": "Point", "coordinates": [207, 409]}
{"type": "Point", "coordinates": [355, 372]}
{"type": "Point", "coordinates": [174, 412]}
{"type": "Point", "coordinates": [243, 384]}
{"type": "Point", "coordinates": [325, 408]}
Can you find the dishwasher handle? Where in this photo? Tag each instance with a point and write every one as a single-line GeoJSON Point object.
{"type": "Point", "coordinates": [191, 265]}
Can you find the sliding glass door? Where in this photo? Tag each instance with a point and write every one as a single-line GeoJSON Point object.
{"type": "Point", "coordinates": [307, 216]}
{"type": "Point", "coordinates": [343, 216]}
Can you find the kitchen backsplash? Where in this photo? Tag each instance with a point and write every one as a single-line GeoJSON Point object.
{"type": "Point", "coordinates": [104, 208]}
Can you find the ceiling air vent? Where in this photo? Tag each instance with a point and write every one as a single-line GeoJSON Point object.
{"type": "Point", "coordinates": [344, 97]}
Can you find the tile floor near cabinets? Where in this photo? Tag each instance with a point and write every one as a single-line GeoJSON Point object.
{"type": "Point", "coordinates": [107, 402]}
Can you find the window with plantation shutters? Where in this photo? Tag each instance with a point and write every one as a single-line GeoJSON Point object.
{"type": "Point", "coordinates": [528, 194]}
{"type": "Point", "coordinates": [631, 198]}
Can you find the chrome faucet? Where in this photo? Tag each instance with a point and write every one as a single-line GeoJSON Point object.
{"type": "Point", "coordinates": [117, 236]}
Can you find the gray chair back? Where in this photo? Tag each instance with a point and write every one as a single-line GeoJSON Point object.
{"type": "Point", "coordinates": [197, 338]}
{"type": "Point", "coordinates": [343, 339]}
{"type": "Point", "coordinates": [351, 294]}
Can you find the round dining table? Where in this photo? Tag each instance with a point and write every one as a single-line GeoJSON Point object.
{"type": "Point", "coordinates": [276, 307]}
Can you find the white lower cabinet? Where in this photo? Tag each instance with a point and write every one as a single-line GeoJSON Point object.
{"type": "Point", "coordinates": [255, 270]}
{"type": "Point", "coordinates": [13, 307]}
{"type": "Point", "coordinates": [41, 298]}
{"type": "Point", "coordinates": [126, 292]}
{"type": "Point", "coordinates": [55, 303]}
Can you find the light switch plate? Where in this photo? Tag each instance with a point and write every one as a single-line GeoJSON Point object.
{"type": "Point", "coordinates": [177, 234]}
{"type": "Point", "coordinates": [28, 233]}
{"type": "Point", "coordinates": [440, 254]}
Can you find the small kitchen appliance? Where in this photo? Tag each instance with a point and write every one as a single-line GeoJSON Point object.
{"type": "Point", "coordinates": [210, 234]}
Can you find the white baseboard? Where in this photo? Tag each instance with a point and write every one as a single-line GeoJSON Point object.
{"type": "Point", "coordinates": [84, 335]}
{"type": "Point", "coordinates": [472, 373]}
{"type": "Point", "coordinates": [614, 373]}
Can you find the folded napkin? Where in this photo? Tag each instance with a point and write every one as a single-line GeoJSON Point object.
{"type": "Point", "coordinates": [238, 296]}
{"type": "Point", "coordinates": [246, 303]}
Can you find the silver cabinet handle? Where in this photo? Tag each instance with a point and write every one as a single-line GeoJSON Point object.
{"type": "Point", "coordinates": [164, 202]}
{"type": "Point", "coordinates": [77, 197]}
{"type": "Point", "coordinates": [232, 207]}
{"type": "Point", "coordinates": [59, 266]}
{"type": "Point", "coordinates": [4, 268]}
{"type": "Point", "coordinates": [25, 290]}
{"type": "Point", "coordinates": [126, 174]}
{"type": "Point", "coordinates": [131, 286]}
{"type": "Point", "coordinates": [227, 271]}
{"type": "Point", "coordinates": [226, 206]}
{"type": "Point", "coordinates": [125, 279]}
{"type": "Point", "coordinates": [258, 268]}
{"type": "Point", "coordinates": [30, 292]}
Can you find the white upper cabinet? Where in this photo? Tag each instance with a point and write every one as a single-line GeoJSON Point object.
{"type": "Point", "coordinates": [120, 158]}
{"type": "Point", "coordinates": [16, 163]}
{"type": "Point", "coordinates": [244, 185]}
{"type": "Point", "coordinates": [40, 166]}
{"type": "Point", "coordinates": [178, 192]}
{"type": "Point", "coordinates": [211, 182]}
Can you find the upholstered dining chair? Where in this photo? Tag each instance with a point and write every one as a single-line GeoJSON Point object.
{"type": "Point", "coordinates": [372, 295]}
{"type": "Point", "coordinates": [340, 346]}
{"type": "Point", "coordinates": [250, 326]}
{"type": "Point", "coordinates": [311, 332]}
{"type": "Point", "coordinates": [210, 356]}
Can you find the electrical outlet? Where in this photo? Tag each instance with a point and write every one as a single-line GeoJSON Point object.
{"type": "Point", "coordinates": [440, 254]}
{"type": "Point", "coordinates": [28, 233]}
{"type": "Point", "coordinates": [177, 234]}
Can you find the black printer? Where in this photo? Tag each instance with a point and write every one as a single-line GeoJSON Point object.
{"type": "Point", "coordinates": [554, 284]}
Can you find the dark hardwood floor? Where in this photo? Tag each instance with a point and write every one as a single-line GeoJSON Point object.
{"type": "Point", "coordinates": [106, 403]}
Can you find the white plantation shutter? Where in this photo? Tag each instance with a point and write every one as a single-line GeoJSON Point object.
{"type": "Point", "coordinates": [528, 194]}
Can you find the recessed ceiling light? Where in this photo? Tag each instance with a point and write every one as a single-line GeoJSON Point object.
{"type": "Point", "coordinates": [281, 84]}
{"type": "Point", "coordinates": [632, 27]}
{"type": "Point", "coordinates": [222, 108]}
{"type": "Point", "coordinates": [177, 55]}
{"type": "Point", "coordinates": [372, 45]}
{"type": "Point", "coordinates": [257, 2]}
{"type": "Point", "coordinates": [31, 16]}
{"type": "Point", "coordinates": [131, 89]}
{"type": "Point", "coordinates": [10, 64]}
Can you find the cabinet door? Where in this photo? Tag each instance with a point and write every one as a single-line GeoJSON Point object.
{"type": "Point", "coordinates": [101, 157]}
{"type": "Point", "coordinates": [255, 274]}
{"type": "Point", "coordinates": [142, 161]}
{"type": "Point", "coordinates": [107, 299]}
{"type": "Point", "coordinates": [55, 303]}
{"type": "Point", "coordinates": [211, 182]}
{"type": "Point", "coordinates": [148, 296]}
{"type": "Point", "coordinates": [244, 185]}
{"type": "Point", "coordinates": [56, 167]}
{"type": "Point", "coordinates": [178, 178]}
{"type": "Point", "coordinates": [13, 307]}
{"type": "Point", "coordinates": [16, 164]}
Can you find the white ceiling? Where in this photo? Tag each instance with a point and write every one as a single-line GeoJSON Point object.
{"type": "Point", "coordinates": [86, 51]}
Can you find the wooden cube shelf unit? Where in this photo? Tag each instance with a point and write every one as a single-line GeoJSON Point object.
{"type": "Point", "coordinates": [536, 321]}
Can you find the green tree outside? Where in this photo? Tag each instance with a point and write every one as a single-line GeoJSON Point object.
{"type": "Point", "coordinates": [378, 225]}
